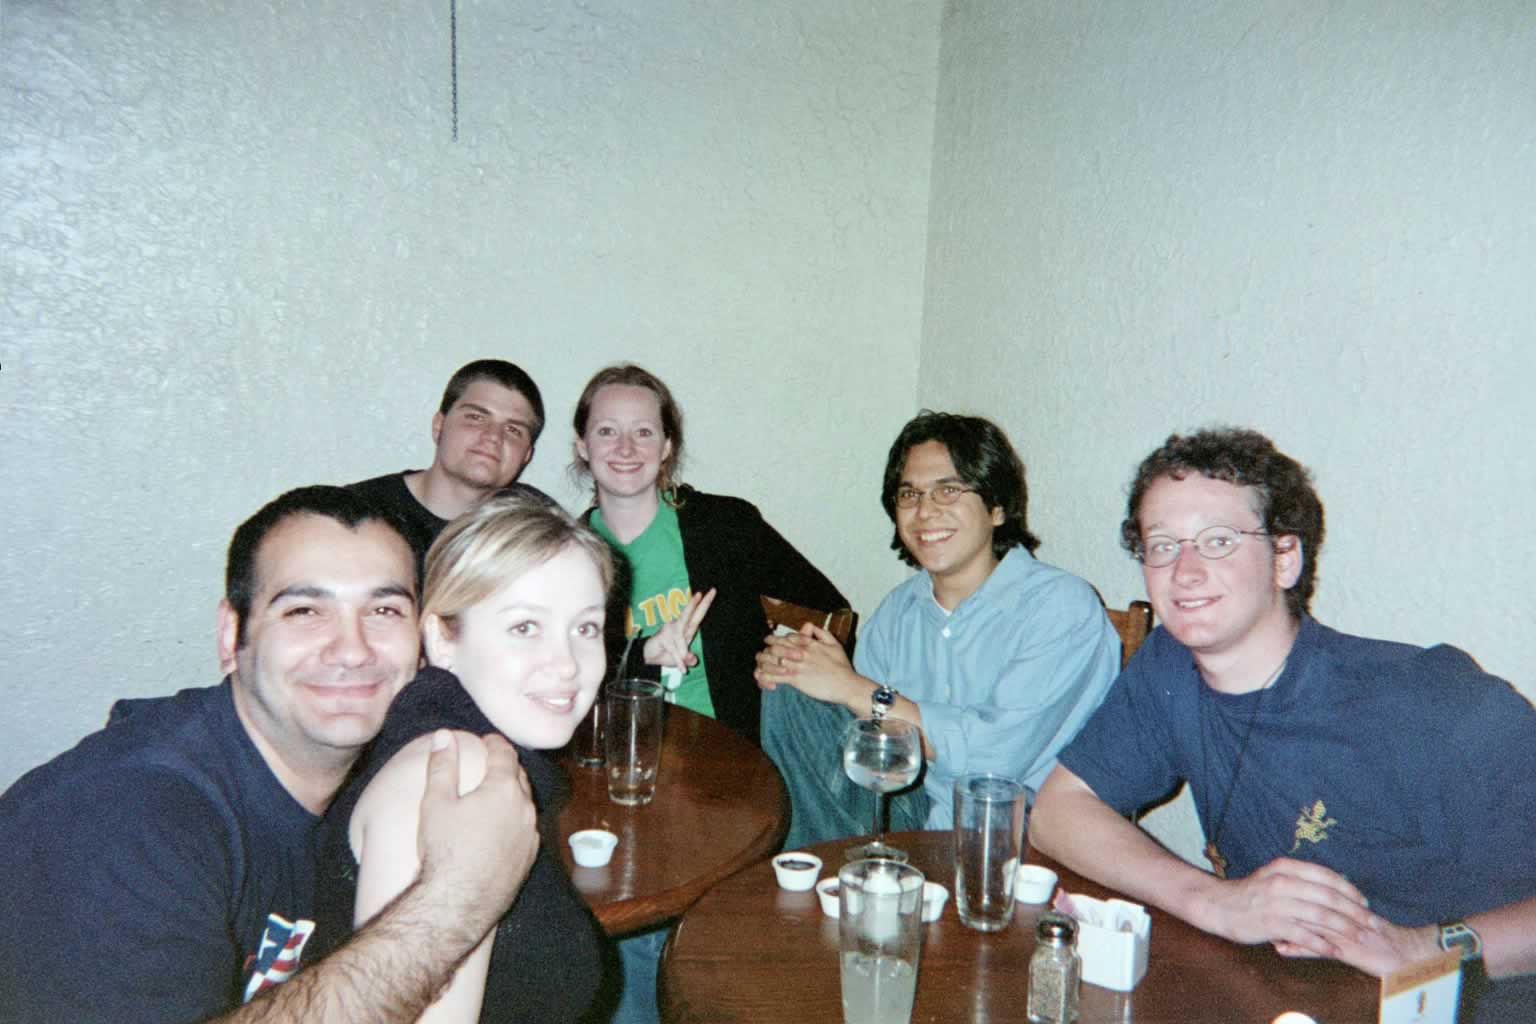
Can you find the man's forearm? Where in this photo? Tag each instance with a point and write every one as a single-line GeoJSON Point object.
{"type": "Point", "coordinates": [1072, 825]}
{"type": "Point", "coordinates": [1509, 939]}
{"type": "Point", "coordinates": [1304, 909]}
{"type": "Point", "coordinates": [388, 973]}
{"type": "Point", "coordinates": [855, 696]}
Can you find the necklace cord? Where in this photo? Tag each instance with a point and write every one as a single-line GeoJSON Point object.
{"type": "Point", "coordinates": [1213, 847]}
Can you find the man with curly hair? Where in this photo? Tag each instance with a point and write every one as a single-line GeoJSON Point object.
{"type": "Point", "coordinates": [1362, 800]}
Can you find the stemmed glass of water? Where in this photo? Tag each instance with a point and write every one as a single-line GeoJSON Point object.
{"type": "Point", "coordinates": [883, 755]}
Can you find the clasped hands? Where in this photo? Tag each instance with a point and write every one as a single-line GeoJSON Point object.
{"type": "Point", "coordinates": [812, 661]}
{"type": "Point", "coordinates": [1307, 910]}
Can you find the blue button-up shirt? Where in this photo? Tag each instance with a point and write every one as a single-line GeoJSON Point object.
{"type": "Point", "coordinates": [1004, 681]}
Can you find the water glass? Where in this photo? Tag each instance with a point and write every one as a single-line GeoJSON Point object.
{"type": "Point", "coordinates": [883, 755]}
{"type": "Point", "coordinates": [587, 741]}
{"type": "Point", "coordinates": [880, 934]}
{"type": "Point", "coordinates": [632, 740]}
{"type": "Point", "coordinates": [989, 836]}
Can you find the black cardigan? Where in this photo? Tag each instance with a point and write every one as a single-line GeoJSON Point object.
{"type": "Point", "coordinates": [729, 546]}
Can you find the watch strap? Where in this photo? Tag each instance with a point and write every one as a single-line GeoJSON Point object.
{"type": "Point", "coordinates": [1460, 936]}
{"type": "Point", "coordinates": [881, 702]}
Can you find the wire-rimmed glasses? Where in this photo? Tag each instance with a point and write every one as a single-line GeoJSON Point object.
{"type": "Point", "coordinates": [1213, 543]}
{"type": "Point", "coordinates": [942, 494]}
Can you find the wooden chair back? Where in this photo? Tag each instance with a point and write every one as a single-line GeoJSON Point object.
{"type": "Point", "coordinates": [840, 622]}
{"type": "Point", "coordinates": [1133, 625]}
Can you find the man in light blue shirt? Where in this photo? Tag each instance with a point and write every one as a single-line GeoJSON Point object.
{"type": "Point", "coordinates": [997, 658]}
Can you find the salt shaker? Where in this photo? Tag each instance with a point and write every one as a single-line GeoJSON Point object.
{"type": "Point", "coordinates": [1055, 971]}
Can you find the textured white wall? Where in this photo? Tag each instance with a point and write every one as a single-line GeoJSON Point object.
{"type": "Point", "coordinates": [1316, 219]}
{"type": "Point", "coordinates": [242, 253]}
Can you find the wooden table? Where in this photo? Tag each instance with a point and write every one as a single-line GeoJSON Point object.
{"type": "Point", "coordinates": [720, 805]}
{"type": "Point", "coordinates": [749, 951]}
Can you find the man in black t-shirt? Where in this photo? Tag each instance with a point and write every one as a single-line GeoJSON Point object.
{"type": "Point", "coordinates": [484, 430]}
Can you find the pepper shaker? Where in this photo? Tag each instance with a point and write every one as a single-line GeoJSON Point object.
{"type": "Point", "coordinates": [1055, 971]}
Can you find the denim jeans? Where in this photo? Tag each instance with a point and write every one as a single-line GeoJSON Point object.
{"type": "Point", "coordinates": [639, 956]}
{"type": "Point", "coordinates": [804, 738]}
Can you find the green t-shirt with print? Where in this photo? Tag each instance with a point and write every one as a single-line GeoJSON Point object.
{"type": "Point", "coordinates": [658, 593]}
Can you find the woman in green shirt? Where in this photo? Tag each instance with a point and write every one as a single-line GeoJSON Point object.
{"type": "Point", "coordinates": [688, 554]}
{"type": "Point", "coordinates": [683, 554]}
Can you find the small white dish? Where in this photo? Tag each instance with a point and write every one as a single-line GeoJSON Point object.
{"type": "Point", "coordinates": [1293, 1017]}
{"type": "Point", "coordinates": [934, 898]}
{"type": "Point", "coordinates": [797, 871]}
{"type": "Point", "coordinates": [826, 891]}
{"type": "Point", "coordinates": [1033, 884]}
{"type": "Point", "coordinates": [593, 847]}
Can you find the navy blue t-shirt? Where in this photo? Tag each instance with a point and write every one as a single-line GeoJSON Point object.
{"type": "Point", "coordinates": [157, 872]}
{"type": "Point", "coordinates": [1407, 770]}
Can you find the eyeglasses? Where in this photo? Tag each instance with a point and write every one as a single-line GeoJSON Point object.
{"type": "Point", "coordinates": [1213, 543]}
{"type": "Point", "coordinates": [944, 494]}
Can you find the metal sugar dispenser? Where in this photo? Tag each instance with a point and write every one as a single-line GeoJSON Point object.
{"type": "Point", "coordinates": [1055, 971]}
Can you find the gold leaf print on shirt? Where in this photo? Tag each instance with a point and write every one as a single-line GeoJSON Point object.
{"type": "Point", "coordinates": [1312, 825]}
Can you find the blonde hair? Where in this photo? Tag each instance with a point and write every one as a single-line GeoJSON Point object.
{"type": "Point", "coordinates": [497, 541]}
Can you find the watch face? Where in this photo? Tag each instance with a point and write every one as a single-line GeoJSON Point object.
{"type": "Point", "coordinates": [881, 701]}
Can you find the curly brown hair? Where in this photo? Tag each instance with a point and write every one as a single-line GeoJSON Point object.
{"type": "Point", "coordinates": [1287, 501]}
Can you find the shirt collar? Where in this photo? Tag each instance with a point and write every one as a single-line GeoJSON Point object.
{"type": "Point", "coordinates": [1015, 565]}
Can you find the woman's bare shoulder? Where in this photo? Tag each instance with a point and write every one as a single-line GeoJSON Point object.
{"type": "Point", "coordinates": [395, 791]}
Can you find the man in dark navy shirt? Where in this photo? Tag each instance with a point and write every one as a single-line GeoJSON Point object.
{"type": "Point", "coordinates": [1362, 800]}
{"type": "Point", "coordinates": [164, 869]}
{"type": "Point", "coordinates": [484, 431]}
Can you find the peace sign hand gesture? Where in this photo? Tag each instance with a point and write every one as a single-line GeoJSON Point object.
{"type": "Point", "coordinates": [669, 645]}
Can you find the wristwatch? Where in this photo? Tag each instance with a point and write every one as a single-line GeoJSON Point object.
{"type": "Point", "coordinates": [1460, 936]}
{"type": "Point", "coordinates": [881, 702]}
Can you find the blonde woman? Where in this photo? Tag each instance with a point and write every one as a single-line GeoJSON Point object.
{"type": "Point", "coordinates": [512, 620]}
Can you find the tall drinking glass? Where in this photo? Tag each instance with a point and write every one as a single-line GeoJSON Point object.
{"type": "Point", "coordinates": [587, 741]}
{"type": "Point", "coordinates": [588, 746]}
{"type": "Point", "coordinates": [632, 735]}
{"type": "Point", "coordinates": [880, 935]}
{"type": "Point", "coordinates": [883, 755]}
{"type": "Point", "coordinates": [989, 832]}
